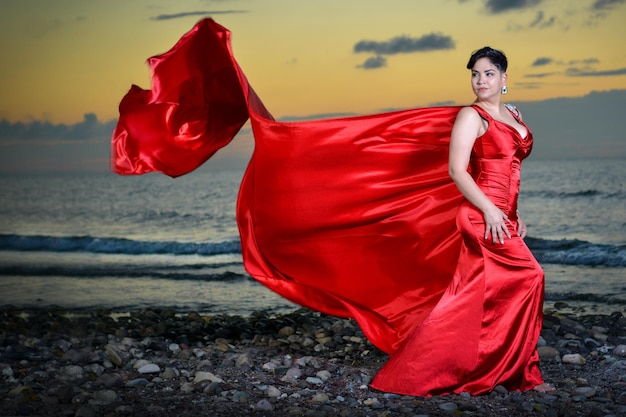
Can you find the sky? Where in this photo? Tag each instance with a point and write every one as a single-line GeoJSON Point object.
{"type": "Point", "coordinates": [66, 64]}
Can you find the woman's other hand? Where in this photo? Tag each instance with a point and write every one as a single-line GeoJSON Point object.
{"type": "Point", "coordinates": [496, 225]}
{"type": "Point", "coordinates": [522, 231]}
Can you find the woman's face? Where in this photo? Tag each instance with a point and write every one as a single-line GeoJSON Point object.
{"type": "Point", "coordinates": [487, 80]}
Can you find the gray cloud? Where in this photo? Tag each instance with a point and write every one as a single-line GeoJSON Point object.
{"type": "Point", "coordinates": [540, 21]}
{"type": "Point", "coordinates": [587, 61]}
{"type": "Point", "coordinates": [89, 128]}
{"type": "Point", "coordinates": [563, 126]}
{"type": "Point", "coordinates": [540, 75]}
{"type": "Point", "coordinates": [528, 85]}
{"type": "Point", "coordinates": [196, 13]}
{"type": "Point", "coordinates": [374, 62]}
{"type": "Point", "coordinates": [606, 4]}
{"type": "Point", "coordinates": [577, 72]}
{"type": "Point", "coordinates": [542, 61]}
{"type": "Point", "coordinates": [501, 6]}
{"type": "Point", "coordinates": [405, 44]}
{"type": "Point", "coordinates": [559, 121]}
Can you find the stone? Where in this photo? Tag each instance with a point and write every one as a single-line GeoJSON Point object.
{"type": "Point", "coordinates": [292, 374]}
{"type": "Point", "coordinates": [240, 397]}
{"type": "Point", "coordinates": [269, 366]}
{"type": "Point", "coordinates": [584, 392]}
{"type": "Point", "coordinates": [308, 342]}
{"type": "Point", "coordinates": [141, 362]}
{"type": "Point", "coordinates": [20, 390]}
{"type": "Point", "coordinates": [547, 353]}
{"type": "Point", "coordinates": [449, 407]}
{"type": "Point", "coordinates": [104, 397]}
{"type": "Point", "coordinates": [137, 382]}
{"type": "Point", "coordinates": [110, 380]}
{"type": "Point", "coordinates": [170, 373]}
{"type": "Point", "coordinates": [244, 360]}
{"type": "Point", "coordinates": [149, 368]}
{"type": "Point", "coordinates": [286, 331]}
{"type": "Point", "coordinates": [370, 401]}
{"type": "Point", "coordinates": [620, 350]}
{"type": "Point", "coordinates": [113, 356]}
{"type": "Point", "coordinates": [202, 376]}
{"type": "Point", "coordinates": [323, 375]}
{"type": "Point", "coordinates": [213, 388]}
{"type": "Point", "coordinates": [187, 388]}
{"type": "Point", "coordinates": [65, 393]}
{"type": "Point", "coordinates": [501, 390]}
{"type": "Point", "coordinates": [574, 358]}
{"type": "Point", "coordinates": [264, 405]}
{"type": "Point", "coordinates": [273, 392]}
{"type": "Point", "coordinates": [321, 397]}
{"type": "Point", "coordinates": [70, 373]}
{"type": "Point", "coordinates": [94, 369]}
{"type": "Point", "coordinates": [314, 381]}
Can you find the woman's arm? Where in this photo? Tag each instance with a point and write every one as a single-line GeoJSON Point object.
{"type": "Point", "coordinates": [467, 127]}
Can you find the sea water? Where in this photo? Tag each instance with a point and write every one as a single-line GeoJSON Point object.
{"type": "Point", "coordinates": [102, 241]}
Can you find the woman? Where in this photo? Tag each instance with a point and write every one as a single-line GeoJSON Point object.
{"type": "Point", "coordinates": [484, 330]}
{"type": "Point", "coordinates": [355, 217]}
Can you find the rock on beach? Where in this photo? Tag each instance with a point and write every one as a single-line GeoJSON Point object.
{"type": "Point", "coordinates": [162, 363]}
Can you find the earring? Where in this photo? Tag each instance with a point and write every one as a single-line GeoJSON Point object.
{"type": "Point", "coordinates": [504, 89]}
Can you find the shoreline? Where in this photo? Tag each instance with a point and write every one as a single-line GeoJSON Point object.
{"type": "Point", "coordinates": [155, 362]}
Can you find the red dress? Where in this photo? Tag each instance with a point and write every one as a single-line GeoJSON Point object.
{"type": "Point", "coordinates": [353, 217]}
{"type": "Point", "coordinates": [484, 330]}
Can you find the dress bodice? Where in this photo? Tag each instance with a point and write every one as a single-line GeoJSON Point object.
{"type": "Point", "coordinates": [496, 159]}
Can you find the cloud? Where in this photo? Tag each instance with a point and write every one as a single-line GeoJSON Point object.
{"type": "Point", "coordinates": [405, 44]}
{"type": "Point", "coordinates": [540, 75]}
{"type": "Point", "coordinates": [528, 86]}
{"type": "Point", "coordinates": [374, 62]}
{"type": "Point", "coordinates": [87, 129]}
{"type": "Point", "coordinates": [196, 13]}
{"type": "Point", "coordinates": [442, 103]}
{"type": "Point", "coordinates": [539, 22]}
{"type": "Point", "coordinates": [587, 61]}
{"type": "Point", "coordinates": [562, 128]}
{"type": "Point", "coordinates": [565, 18]}
{"type": "Point", "coordinates": [606, 4]}
{"type": "Point", "coordinates": [542, 23]}
{"type": "Point", "coordinates": [502, 6]}
{"type": "Point", "coordinates": [577, 68]}
{"type": "Point", "coordinates": [577, 72]}
{"type": "Point", "coordinates": [539, 62]}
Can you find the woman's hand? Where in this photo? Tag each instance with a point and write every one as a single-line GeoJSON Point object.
{"type": "Point", "coordinates": [522, 231]}
{"type": "Point", "coordinates": [496, 225]}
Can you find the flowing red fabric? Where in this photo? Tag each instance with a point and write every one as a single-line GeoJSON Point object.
{"type": "Point", "coordinates": [195, 107]}
{"type": "Point", "coordinates": [357, 217]}
{"type": "Point", "coordinates": [353, 217]}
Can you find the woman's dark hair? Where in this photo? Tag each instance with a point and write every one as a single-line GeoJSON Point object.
{"type": "Point", "coordinates": [496, 57]}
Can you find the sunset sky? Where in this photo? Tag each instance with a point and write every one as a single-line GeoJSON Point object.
{"type": "Point", "coordinates": [67, 63]}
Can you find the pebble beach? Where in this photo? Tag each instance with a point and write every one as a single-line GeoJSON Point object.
{"type": "Point", "coordinates": [153, 362]}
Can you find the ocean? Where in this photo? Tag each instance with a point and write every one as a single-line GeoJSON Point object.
{"type": "Point", "coordinates": [100, 241]}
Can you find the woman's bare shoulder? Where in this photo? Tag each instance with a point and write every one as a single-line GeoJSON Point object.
{"type": "Point", "coordinates": [468, 114]}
